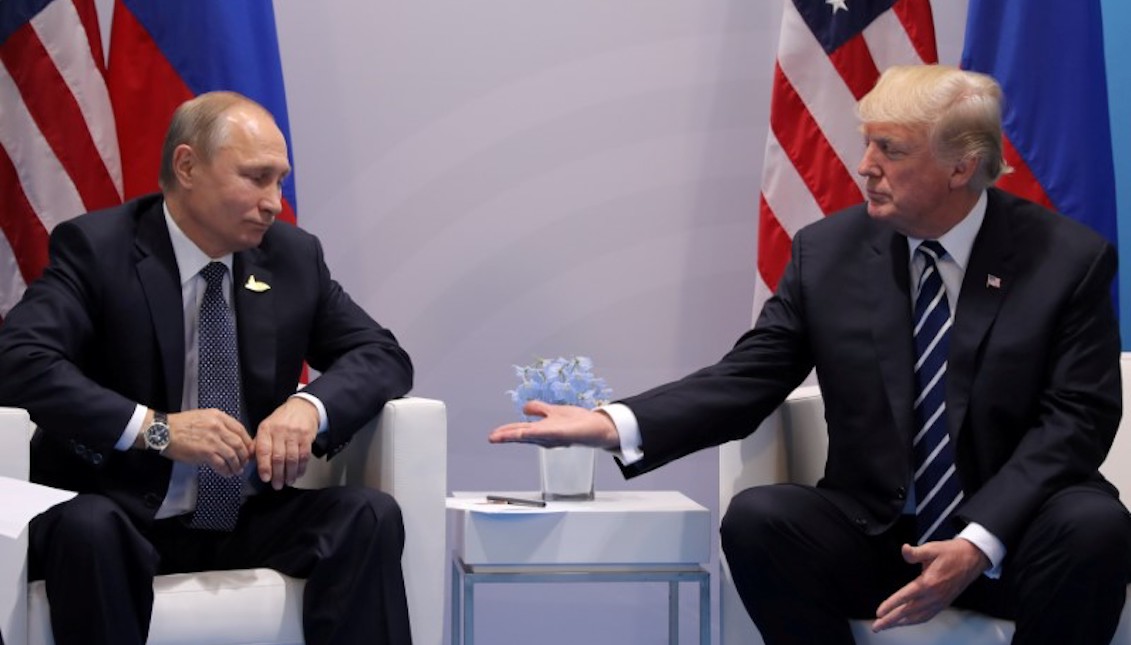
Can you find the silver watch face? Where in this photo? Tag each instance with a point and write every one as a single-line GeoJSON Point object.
{"type": "Point", "coordinates": [157, 436]}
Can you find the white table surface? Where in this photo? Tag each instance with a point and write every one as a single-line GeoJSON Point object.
{"type": "Point", "coordinates": [616, 528]}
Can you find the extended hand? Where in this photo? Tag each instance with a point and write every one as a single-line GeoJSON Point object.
{"type": "Point", "coordinates": [209, 437]}
{"type": "Point", "coordinates": [561, 425]}
{"type": "Point", "coordinates": [283, 440]}
{"type": "Point", "coordinates": [949, 566]}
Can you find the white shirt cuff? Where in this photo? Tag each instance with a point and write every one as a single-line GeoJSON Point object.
{"type": "Point", "coordinates": [133, 429]}
{"type": "Point", "coordinates": [628, 430]}
{"type": "Point", "coordinates": [322, 423]}
{"type": "Point", "coordinates": [987, 543]}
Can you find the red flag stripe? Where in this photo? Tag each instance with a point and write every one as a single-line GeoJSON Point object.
{"type": "Point", "coordinates": [88, 15]}
{"type": "Point", "coordinates": [919, 23]}
{"type": "Point", "coordinates": [889, 42]}
{"type": "Point", "coordinates": [43, 179]}
{"type": "Point", "coordinates": [774, 246]}
{"type": "Point", "coordinates": [854, 62]}
{"type": "Point", "coordinates": [72, 30]}
{"type": "Point", "coordinates": [806, 146]}
{"type": "Point", "coordinates": [785, 192]}
{"type": "Point", "coordinates": [58, 116]}
{"type": "Point", "coordinates": [820, 87]}
{"type": "Point", "coordinates": [20, 224]}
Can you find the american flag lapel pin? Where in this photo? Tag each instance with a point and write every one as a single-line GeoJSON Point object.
{"type": "Point", "coordinates": [992, 281]}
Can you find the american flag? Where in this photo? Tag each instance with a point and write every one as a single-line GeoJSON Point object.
{"type": "Point", "coordinates": [58, 145]}
{"type": "Point", "coordinates": [830, 54]}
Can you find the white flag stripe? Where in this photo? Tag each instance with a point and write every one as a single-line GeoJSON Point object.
{"type": "Point", "coordinates": [61, 31]}
{"type": "Point", "coordinates": [818, 83]}
{"type": "Point", "coordinates": [11, 280]}
{"type": "Point", "coordinates": [887, 50]}
{"type": "Point", "coordinates": [45, 182]}
{"type": "Point", "coordinates": [785, 191]}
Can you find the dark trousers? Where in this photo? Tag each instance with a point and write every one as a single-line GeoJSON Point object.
{"type": "Point", "coordinates": [802, 568]}
{"type": "Point", "coordinates": [346, 542]}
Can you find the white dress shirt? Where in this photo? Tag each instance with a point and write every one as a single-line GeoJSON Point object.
{"type": "Point", "coordinates": [181, 495]}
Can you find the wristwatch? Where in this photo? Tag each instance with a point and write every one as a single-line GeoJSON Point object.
{"type": "Point", "coordinates": [157, 434]}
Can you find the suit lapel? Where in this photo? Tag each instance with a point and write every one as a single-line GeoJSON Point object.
{"type": "Point", "coordinates": [988, 276]}
{"type": "Point", "coordinates": [160, 280]}
{"type": "Point", "coordinates": [254, 297]}
{"type": "Point", "coordinates": [891, 329]}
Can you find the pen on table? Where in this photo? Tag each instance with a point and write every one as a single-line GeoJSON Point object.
{"type": "Point", "coordinates": [518, 501]}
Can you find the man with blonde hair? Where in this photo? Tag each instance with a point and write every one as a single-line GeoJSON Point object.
{"type": "Point", "coordinates": [159, 356]}
{"type": "Point", "coordinates": [968, 356]}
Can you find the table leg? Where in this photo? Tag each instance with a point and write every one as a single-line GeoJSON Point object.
{"type": "Point", "coordinates": [705, 610]}
{"type": "Point", "coordinates": [456, 601]}
{"type": "Point", "coordinates": [673, 613]}
{"type": "Point", "coordinates": [468, 610]}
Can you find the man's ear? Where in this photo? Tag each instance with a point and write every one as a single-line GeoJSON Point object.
{"type": "Point", "coordinates": [185, 164]}
{"type": "Point", "coordinates": [962, 173]}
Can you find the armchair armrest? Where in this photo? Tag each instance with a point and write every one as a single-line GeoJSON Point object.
{"type": "Point", "coordinates": [15, 429]}
{"type": "Point", "coordinates": [403, 451]}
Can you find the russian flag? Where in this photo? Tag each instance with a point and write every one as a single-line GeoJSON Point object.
{"type": "Point", "coordinates": [164, 52]}
{"type": "Point", "coordinates": [1049, 60]}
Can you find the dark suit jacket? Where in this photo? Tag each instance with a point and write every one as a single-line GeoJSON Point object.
{"type": "Point", "coordinates": [103, 330]}
{"type": "Point", "coordinates": [1033, 387]}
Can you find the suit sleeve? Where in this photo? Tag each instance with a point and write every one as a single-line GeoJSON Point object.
{"type": "Point", "coordinates": [729, 399]}
{"type": "Point", "coordinates": [46, 349]}
{"type": "Point", "coordinates": [361, 363]}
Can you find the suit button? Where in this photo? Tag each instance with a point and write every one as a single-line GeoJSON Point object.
{"type": "Point", "coordinates": [901, 493]}
{"type": "Point", "coordinates": [96, 458]}
{"type": "Point", "coordinates": [861, 523]}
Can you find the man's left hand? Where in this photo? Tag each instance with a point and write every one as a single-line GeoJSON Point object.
{"type": "Point", "coordinates": [283, 440]}
{"type": "Point", "coordinates": [949, 566]}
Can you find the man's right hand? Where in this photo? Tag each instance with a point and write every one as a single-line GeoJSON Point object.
{"type": "Point", "coordinates": [209, 437]}
{"type": "Point", "coordinates": [560, 425]}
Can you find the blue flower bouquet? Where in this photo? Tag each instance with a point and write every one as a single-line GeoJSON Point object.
{"type": "Point", "coordinates": [567, 473]}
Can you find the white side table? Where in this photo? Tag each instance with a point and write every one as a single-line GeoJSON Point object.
{"type": "Point", "coordinates": [621, 536]}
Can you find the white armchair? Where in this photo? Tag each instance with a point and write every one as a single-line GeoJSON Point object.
{"type": "Point", "coordinates": [403, 452]}
{"type": "Point", "coordinates": [791, 446]}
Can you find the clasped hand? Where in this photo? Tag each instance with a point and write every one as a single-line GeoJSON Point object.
{"type": "Point", "coordinates": [281, 446]}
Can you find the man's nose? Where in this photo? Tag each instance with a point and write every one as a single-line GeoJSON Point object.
{"type": "Point", "coordinates": [867, 166]}
{"type": "Point", "coordinates": [272, 202]}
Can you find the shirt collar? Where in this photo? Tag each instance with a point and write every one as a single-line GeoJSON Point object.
{"type": "Point", "coordinates": [190, 259]}
{"type": "Point", "coordinates": [959, 240]}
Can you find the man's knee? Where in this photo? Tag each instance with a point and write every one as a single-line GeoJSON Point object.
{"type": "Point", "coordinates": [83, 529]}
{"type": "Point", "coordinates": [1090, 529]}
{"type": "Point", "coordinates": [750, 520]}
{"type": "Point", "coordinates": [371, 507]}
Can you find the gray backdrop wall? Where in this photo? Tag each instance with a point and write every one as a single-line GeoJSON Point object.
{"type": "Point", "coordinates": [497, 180]}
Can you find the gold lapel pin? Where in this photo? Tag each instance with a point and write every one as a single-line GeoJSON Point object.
{"type": "Point", "coordinates": [255, 285]}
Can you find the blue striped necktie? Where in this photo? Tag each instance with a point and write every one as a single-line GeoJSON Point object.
{"type": "Point", "coordinates": [218, 498]}
{"type": "Point", "coordinates": [938, 490]}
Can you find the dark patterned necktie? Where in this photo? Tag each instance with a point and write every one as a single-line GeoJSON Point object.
{"type": "Point", "coordinates": [937, 488]}
{"type": "Point", "coordinates": [218, 498]}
